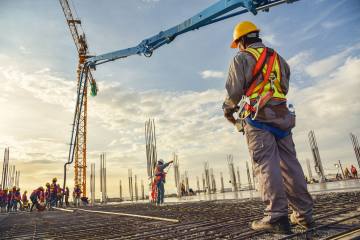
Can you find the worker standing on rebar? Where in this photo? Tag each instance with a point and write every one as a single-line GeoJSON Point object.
{"type": "Point", "coordinates": [59, 196]}
{"type": "Point", "coordinates": [53, 193]}
{"type": "Point", "coordinates": [16, 199]}
{"type": "Point", "coordinates": [347, 174]}
{"type": "Point", "coordinates": [47, 195]}
{"type": "Point", "coordinates": [160, 176]}
{"type": "Point", "coordinates": [258, 80]}
{"type": "Point", "coordinates": [9, 200]}
{"type": "Point", "coordinates": [35, 197]}
{"type": "Point", "coordinates": [25, 201]}
{"type": "Point", "coordinates": [353, 171]}
{"type": "Point", "coordinates": [77, 195]}
{"type": "Point", "coordinates": [3, 195]}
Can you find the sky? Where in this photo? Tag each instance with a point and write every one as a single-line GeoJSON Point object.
{"type": "Point", "coordinates": [181, 86]}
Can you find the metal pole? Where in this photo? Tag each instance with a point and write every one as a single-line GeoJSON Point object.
{"type": "Point", "coordinates": [356, 147]}
{"type": "Point", "coordinates": [222, 182]}
{"type": "Point", "coordinates": [316, 154]}
{"type": "Point", "coordinates": [136, 189]}
{"type": "Point", "coordinates": [198, 184]}
{"type": "Point", "coordinates": [309, 169]}
{"type": "Point", "coordinates": [248, 175]}
{"type": "Point", "coordinates": [120, 191]}
{"type": "Point", "coordinates": [342, 171]}
{"type": "Point", "coordinates": [142, 190]}
{"type": "Point", "coordinates": [238, 177]}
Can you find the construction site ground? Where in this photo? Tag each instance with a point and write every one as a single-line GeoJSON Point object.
{"type": "Point", "coordinates": [337, 216]}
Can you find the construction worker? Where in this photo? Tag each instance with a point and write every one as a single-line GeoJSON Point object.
{"type": "Point", "coordinates": [160, 176]}
{"type": "Point", "coordinates": [347, 174]}
{"type": "Point", "coordinates": [53, 193]}
{"type": "Point", "coordinates": [353, 171]}
{"type": "Point", "coordinates": [59, 196]}
{"type": "Point", "coordinates": [47, 195]}
{"type": "Point", "coordinates": [16, 199]}
{"type": "Point", "coordinates": [77, 195]}
{"type": "Point", "coordinates": [25, 201]}
{"type": "Point", "coordinates": [3, 200]}
{"type": "Point", "coordinates": [3, 196]}
{"type": "Point", "coordinates": [35, 197]}
{"type": "Point", "coordinates": [9, 200]}
{"type": "Point", "coordinates": [257, 84]}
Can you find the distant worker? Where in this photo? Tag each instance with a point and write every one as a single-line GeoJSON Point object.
{"type": "Point", "coordinates": [35, 198]}
{"type": "Point", "coordinates": [10, 196]}
{"type": "Point", "coordinates": [25, 201]}
{"type": "Point", "coordinates": [17, 199]}
{"type": "Point", "coordinates": [3, 197]}
{"type": "Point", "coordinates": [53, 193]}
{"type": "Point", "coordinates": [353, 171]}
{"type": "Point", "coordinates": [160, 176]}
{"type": "Point", "coordinates": [347, 174]}
{"type": "Point", "coordinates": [47, 195]}
{"type": "Point", "coordinates": [257, 84]}
{"type": "Point", "coordinates": [77, 195]}
{"type": "Point", "coordinates": [59, 196]}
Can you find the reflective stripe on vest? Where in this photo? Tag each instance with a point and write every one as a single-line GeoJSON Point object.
{"type": "Point", "coordinates": [275, 77]}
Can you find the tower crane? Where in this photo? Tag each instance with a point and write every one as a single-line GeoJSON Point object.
{"type": "Point", "coordinates": [80, 142]}
{"type": "Point", "coordinates": [221, 10]}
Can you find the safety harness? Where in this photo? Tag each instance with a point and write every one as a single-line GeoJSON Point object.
{"type": "Point", "coordinates": [259, 93]}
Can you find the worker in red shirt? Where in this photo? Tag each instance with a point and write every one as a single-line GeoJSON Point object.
{"type": "Point", "coordinates": [36, 196]}
{"type": "Point", "coordinates": [353, 171]}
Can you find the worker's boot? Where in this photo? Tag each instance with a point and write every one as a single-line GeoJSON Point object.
{"type": "Point", "coordinates": [301, 222]}
{"type": "Point", "coordinates": [281, 226]}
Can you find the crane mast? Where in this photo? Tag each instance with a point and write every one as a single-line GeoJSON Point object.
{"type": "Point", "coordinates": [80, 142]}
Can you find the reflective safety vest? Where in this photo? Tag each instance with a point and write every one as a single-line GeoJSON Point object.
{"type": "Point", "coordinates": [257, 88]}
{"type": "Point", "coordinates": [260, 92]}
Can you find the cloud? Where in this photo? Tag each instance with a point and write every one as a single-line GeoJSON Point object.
{"type": "Point", "coordinates": [212, 74]}
{"type": "Point", "coordinates": [327, 65]}
{"type": "Point", "coordinates": [270, 39]}
{"type": "Point", "coordinates": [24, 50]}
{"type": "Point", "coordinates": [190, 123]}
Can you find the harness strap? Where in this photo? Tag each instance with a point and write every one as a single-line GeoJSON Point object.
{"type": "Point", "coordinates": [268, 72]}
{"type": "Point", "coordinates": [257, 70]}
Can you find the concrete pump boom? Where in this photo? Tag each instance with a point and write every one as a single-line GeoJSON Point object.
{"type": "Point", "coordinates": [210, 15]}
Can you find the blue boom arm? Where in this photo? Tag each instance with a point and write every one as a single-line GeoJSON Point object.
{"type": "Point", "coordinates": [212, 14]}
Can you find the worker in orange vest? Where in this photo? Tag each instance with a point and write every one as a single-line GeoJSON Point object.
{"type": "Point", "coordinates": [160, 176]}
{"type": "Point", "coordinates": [257, 84]}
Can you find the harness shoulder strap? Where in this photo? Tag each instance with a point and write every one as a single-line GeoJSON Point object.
{"type": "Point", "coordinates": [257, 69]}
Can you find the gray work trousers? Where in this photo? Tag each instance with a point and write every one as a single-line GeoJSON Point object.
{"type": "Point", "coordinates": [281, 178]}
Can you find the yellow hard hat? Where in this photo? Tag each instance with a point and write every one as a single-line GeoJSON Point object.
{"type": "Point", "coordinates": [242, 29]}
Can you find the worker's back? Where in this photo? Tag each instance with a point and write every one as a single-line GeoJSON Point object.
{"type": "Point", "coordinates": [241, 77]}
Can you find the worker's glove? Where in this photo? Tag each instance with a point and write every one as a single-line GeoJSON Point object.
{"type": "Point", "coordinates": [229, 109]}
